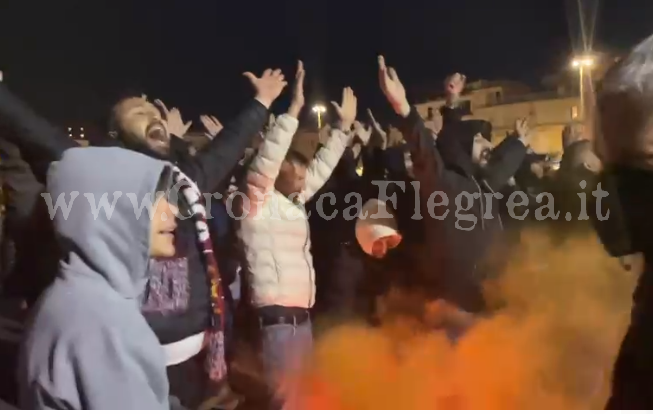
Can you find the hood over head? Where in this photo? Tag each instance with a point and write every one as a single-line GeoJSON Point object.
{"type": "Point", "coordinates": [101, 242]}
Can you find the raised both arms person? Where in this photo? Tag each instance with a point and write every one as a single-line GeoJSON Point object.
{"type": "Point", "coordinates": [264, 168]}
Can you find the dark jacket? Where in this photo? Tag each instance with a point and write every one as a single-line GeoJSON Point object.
{"type": "Point", "coordinates": [455, 257]}
{"type": "Point", "coordinates": [26, 229]}
{"type": "Point", "coordinates": [336, 255]}
{"type": "Point", "coordinates": [504, 162]}
{"type": "Point", "coordinates": [176, 319]}
{"type": "Point", "coordinates": [629, 230]}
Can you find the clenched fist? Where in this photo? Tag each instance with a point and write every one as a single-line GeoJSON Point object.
{"type": "Point", "coordinates": [269, 86]}
{"type": "Point", "coordinates": [347, 109]}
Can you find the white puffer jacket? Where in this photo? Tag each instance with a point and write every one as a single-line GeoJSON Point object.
{"type": "Point", "coordinates": [274, 232]}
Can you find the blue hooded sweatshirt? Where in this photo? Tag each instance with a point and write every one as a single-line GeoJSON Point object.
{"type": "Point", "coordinates": [88, 346]}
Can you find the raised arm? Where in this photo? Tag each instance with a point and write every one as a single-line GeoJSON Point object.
{"type": "Point", "coordinates": [264, 168]}
{"type": "Point", "coordinates": [507, 157]}
{"type": "Point", "coordinates": [31, 132]}
{"type": "Point", "coordinates": [427, 163]}
{"type": "Point", "coordinates": [328, 156]}
{"type": "Point", "coordinates": [451, 112]}
{"type": "Point", "coordinates": [213, 164]}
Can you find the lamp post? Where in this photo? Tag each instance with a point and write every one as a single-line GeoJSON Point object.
{"type": "Point", "coordinates": [581, 64]}
{"type": "Point", "coordinates": [319, 110]}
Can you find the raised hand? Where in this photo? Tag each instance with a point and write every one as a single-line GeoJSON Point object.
{"type": "Point", "coordinates": [173, 121]}
{"type": "Point", "coordinates": [523, 131]}
{"type": "Point", "coordinates": [455, 84]}
{"type": "Point", "coordinates": [211, 125]}
{"type": "Point", "coordinates": [572, 133]}
{"type": "Point", "coordinates": [271, 121]}
{"type": "Point", "coordinates": [362, 133]}
{"type": "Point", "coordinates": [393, 89]}
{"type": "Point", "coordinates": [375, 124]}
{"type": "Point", "coordinates": [269, 86]}
{"type": "Point", "coordinates": [347, 109]}
{"type": "Point", "coordinates": [521, 127]}
{"type": "Point", "coordinates": [298, 99]}
{"type": "Point", "coordinates": [379, 130]}
{"type": "Point", "coordinates": [436, 123]}
{"type": "Point", "coordinates": [159, 104]}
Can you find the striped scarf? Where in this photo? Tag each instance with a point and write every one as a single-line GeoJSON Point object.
{"type": "Point", "coordinates": [215, 364]}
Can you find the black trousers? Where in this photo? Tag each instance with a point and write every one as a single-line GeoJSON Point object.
{"type": "Point", "coordinates": [632, 382]}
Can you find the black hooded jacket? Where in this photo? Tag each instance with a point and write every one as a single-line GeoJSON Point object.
{"type": "Point", "coordinates": [456, 243]}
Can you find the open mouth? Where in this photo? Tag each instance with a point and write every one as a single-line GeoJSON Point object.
{"type": "Point", "coordinates": [157, 132]}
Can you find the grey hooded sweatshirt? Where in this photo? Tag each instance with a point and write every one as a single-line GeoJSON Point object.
{"type": "Point", "coordinates": [88, 345]}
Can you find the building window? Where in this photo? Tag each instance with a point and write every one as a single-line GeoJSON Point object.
{"type": "Point", "coordinates": [574, 112]}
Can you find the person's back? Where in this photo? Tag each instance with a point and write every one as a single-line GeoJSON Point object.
{"type": "Point", "coordinates": [624, 134]}
{"type": "Point", "coordinates": [88, 345]}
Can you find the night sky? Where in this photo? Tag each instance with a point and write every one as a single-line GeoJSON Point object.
{"type": "Point", "coordinates": [71, 58]}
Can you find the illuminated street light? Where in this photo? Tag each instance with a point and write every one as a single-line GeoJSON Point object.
{"type": "Point", "coordinates": [582, 63]}
{"type": "Point", "coordinates": [319, 110]}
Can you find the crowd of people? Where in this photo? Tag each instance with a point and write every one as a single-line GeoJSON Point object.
{"type": "Point", "coordinates": [248, 240]}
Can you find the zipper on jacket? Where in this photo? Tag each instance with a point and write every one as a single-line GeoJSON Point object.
{"type": "Point", "coordinates": [308, 265]}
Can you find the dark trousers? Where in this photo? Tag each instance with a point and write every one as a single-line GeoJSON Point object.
{"type": "Point", "coordinates": [188, 382]}
{"type": "Point", "coordinates": [339, 273]}
{"type": "Point", "coordinates": [632, 382]}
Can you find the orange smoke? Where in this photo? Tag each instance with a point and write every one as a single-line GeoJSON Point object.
{"type": "Point", "coordinates": [552, 346]}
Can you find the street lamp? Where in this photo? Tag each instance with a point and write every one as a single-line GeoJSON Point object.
{"type": "Point", "coordinates": [319, 110]}
{"type": "Point", "coordinates": [582, 63]}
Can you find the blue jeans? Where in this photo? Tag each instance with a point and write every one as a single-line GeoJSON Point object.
{"type": "Point", "coordinates": [284, 349]}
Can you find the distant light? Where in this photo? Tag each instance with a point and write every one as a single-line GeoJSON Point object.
{"type": "Point", "coordinates": [70, 129]}
{"type": "Point", "coordinates": [582, 62]}
{"type": "Point", "coordinates": [70, 135]}
{"type": "Point", "coordinates": [81, 135]}
{"type": "Point", "coordinates": [319, 109]}
{"type": "Point", "coordinates": [81, 129]}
